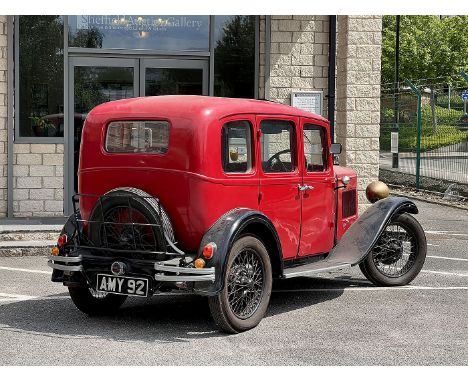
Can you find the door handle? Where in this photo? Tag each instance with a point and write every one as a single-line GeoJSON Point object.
{"type": "Point", "coordinates": [305, 187]}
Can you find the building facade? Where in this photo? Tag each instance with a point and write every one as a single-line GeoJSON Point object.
{"type": "Point", "coordinates": [54, 69]}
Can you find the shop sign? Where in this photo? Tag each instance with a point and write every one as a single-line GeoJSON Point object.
{"type": "Point", "coordinates": [138, 23]}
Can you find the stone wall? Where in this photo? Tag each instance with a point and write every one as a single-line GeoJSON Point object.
{"type": "Point", "coordinates": [3, 117]}
{"type": "Point", "coordinates": [38, 180]}
{"type": "Point", "coordinates": [298, 56]}
{"type": "Point", "coordinates": [358, 96]}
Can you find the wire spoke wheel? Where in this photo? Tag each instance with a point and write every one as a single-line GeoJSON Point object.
{"type": "Point", "coordinates": [125, 221]}
{"type": "Point", "coordinates": [244, 298]}
{"type": "Point", "coordinates": [395, 252]}
{"type": "Point", "coordinates": [399, 254]}
{"type": "Point", "coordinates": [245, 283]}
{"type": "Point", "coordinates": [127, 228]}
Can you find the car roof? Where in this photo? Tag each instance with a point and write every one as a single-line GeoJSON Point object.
{"type": "Point", "coordinates": [184, 105]}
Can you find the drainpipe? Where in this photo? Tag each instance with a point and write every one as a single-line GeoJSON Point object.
{"type": "Point", "coordinates": [331, 75]}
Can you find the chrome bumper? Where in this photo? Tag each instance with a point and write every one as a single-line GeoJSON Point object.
{"type": "Point", "coordinates": [177, 273]}
{"type": "Point", "coordinates": [65, 263]}
{"type": "Point", "coordinates": [165, 270]}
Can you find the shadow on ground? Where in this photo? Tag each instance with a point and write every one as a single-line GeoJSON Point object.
{"type": "Point", "coordinates": [175, 318]}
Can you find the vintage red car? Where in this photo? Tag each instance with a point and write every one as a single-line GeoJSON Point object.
{"type": "Point", "coordinates": [218, 197]}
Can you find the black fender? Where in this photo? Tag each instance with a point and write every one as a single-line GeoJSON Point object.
{"type": "Point", "coordinates": [70, 228]}
{"type": "Point", "coordinates": [360, 238]}
{"type": "Point", "coordinates": [225, 231]}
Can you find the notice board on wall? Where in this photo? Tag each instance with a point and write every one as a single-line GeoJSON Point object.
{"type": "Point", "coordinates": [311, 101]}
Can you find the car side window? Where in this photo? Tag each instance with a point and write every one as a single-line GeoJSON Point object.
{"type": "Point", "coordinates": [277, 143]}
{"type": "Point", "coordinates": [236, 143]}
{"type": "Point", "coordinates": [315, 148]}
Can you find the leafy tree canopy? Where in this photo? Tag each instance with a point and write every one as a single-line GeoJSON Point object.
{"type": "Point", "coordinates": [432, 48]}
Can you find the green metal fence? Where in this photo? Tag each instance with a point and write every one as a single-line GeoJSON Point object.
{"type": "Point", "coordinates": [424, 134]}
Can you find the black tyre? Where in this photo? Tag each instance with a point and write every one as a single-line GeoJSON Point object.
{"type": "Point", "coordinates": [399, 254]}
{"type": "Point", "coordinates": [95, 303]}
{"type": "Point", "coordinates": [244, 299]}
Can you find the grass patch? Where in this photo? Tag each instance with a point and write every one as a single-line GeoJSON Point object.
{"type": "Point", "coordinates": [447, 132]}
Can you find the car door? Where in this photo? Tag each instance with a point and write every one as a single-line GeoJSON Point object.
{"type": "Point", "coordinates": [280, 176]}
{"type": "Point", "coordinates": [317, 191]}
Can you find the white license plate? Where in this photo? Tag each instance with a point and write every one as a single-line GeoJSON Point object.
{"type": "Point", "coordinates": [129, 286]}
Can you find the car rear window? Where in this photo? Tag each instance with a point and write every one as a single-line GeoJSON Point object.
{"type": "Point", "coordinates": [236, 147]}
{"type": "Point", "coordinates": [137, 137]}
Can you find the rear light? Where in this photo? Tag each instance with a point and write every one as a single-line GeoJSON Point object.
{"type": "Point", "coordinates": [209, 250]}
{"type": "Point", "coordinates": [199, 263]}
{"type": "Point", "coordinates": [62, 240]}
{"type": "Point", "coordinates": [54, 251]}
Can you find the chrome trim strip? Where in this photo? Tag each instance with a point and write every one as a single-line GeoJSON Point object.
{"type": "Point", "coordinates": [72, 268]}
{"type": "Point", "coordinates": [65, 259]}
{"type": "Point", "coordinates": [161, 277]}
{"type": "Point", "coordinates": [175, 269]}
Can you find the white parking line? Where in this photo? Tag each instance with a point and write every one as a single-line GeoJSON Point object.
{"type": "Point", "coordinates": [447, 258]}
{"type": "Point", "coordinates": [446, 273]}
{"type": "Point", "coordinates": [16, 296]}
{"type": "Point", "coordinates": [25, 270]}
{"type": "Point", "coordinates": [7, 297]}
{"type": "Point", "coordinates": [370, 289]}
{"type": "Point", "coordinates": [449, 233]}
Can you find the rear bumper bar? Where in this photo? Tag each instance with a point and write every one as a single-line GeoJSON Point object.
{"type": "Point", "coordinates": [177, 273]}
{"type": "Point", "coordinates": [164, 271]}
{"type": "Point", "coordinates": [65, 263]}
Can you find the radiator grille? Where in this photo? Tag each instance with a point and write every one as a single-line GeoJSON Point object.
{"type": "Point", "coordinates": [348, 199]}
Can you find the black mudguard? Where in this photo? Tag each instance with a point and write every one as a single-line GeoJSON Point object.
{"type": "Point", "coordinates": [224, 233]}
{"type": "Point", "coordinates": [360, 238]}
{"type": "Point", "coordinates": [69, 228]}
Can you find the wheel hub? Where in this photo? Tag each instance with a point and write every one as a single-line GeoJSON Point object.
{"type": "Point", "coordinates": [393, 255]}
{"type": "Point", "coordinates": [245, 284]}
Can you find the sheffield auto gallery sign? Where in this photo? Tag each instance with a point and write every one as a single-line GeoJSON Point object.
{"type": "Point", "coordinates": [139, 23]}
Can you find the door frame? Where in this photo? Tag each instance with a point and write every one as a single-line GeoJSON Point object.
{"type": "Point", "coordinates": [171, 63]}
{"type": "Point", "coordinates": [68, 176]}
{"type": "Point", "coordinates": [139, 65]}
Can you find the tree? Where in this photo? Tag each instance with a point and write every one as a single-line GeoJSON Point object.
{"type": "Point", "coordinates": [40, 70]}
{"type": "Point", "coordinates": [234, 58]}
{"type": "Point", "coordinates": [431, 48]}
{"type": "Point", "coordinates": [433, 51]}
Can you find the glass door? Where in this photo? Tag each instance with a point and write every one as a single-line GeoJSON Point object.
{"type": "Point", "coordinates": [93, 81]}
{"type": "Point", "coordinates": [173, 76]}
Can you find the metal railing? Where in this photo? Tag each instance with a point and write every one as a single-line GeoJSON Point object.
{"type": "Point", "coordinates": [424, 135]}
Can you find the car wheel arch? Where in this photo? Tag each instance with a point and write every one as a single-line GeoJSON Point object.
{"type": "Point", "coordinates": [230, 227]}
{"type": "Point", "coordinates": [269, 238]}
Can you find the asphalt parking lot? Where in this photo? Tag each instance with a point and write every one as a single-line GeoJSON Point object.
{"type": "Point", "coordinates": [335, 319]}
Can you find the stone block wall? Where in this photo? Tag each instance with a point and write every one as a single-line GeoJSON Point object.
{"type": "Point", "coordinates": [38, 180]}
{"type": "Point", "coordinates": [298, 56]}
{"type": "Point", "coordinates": [3, 117]}
{"type": "Point", "coordinates": [358, 96]}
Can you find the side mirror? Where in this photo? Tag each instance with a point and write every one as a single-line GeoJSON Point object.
{"type": "Point", "coordinates": [336, 148]}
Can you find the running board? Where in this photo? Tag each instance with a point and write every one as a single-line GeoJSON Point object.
{"type": "Point", "coordinates": [312, 268]}
{"type": "Point", "coordinates": [358, 240]}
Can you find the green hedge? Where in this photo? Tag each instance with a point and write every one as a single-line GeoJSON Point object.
{"type": "Point", "coordinates": [446, 135]}
{"type": "Point", "coordinates": [456, 101]}
{"type": "Point", "coordinates": [444, 116]}
{"type": "Point", "coordinates": [447, 129]}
